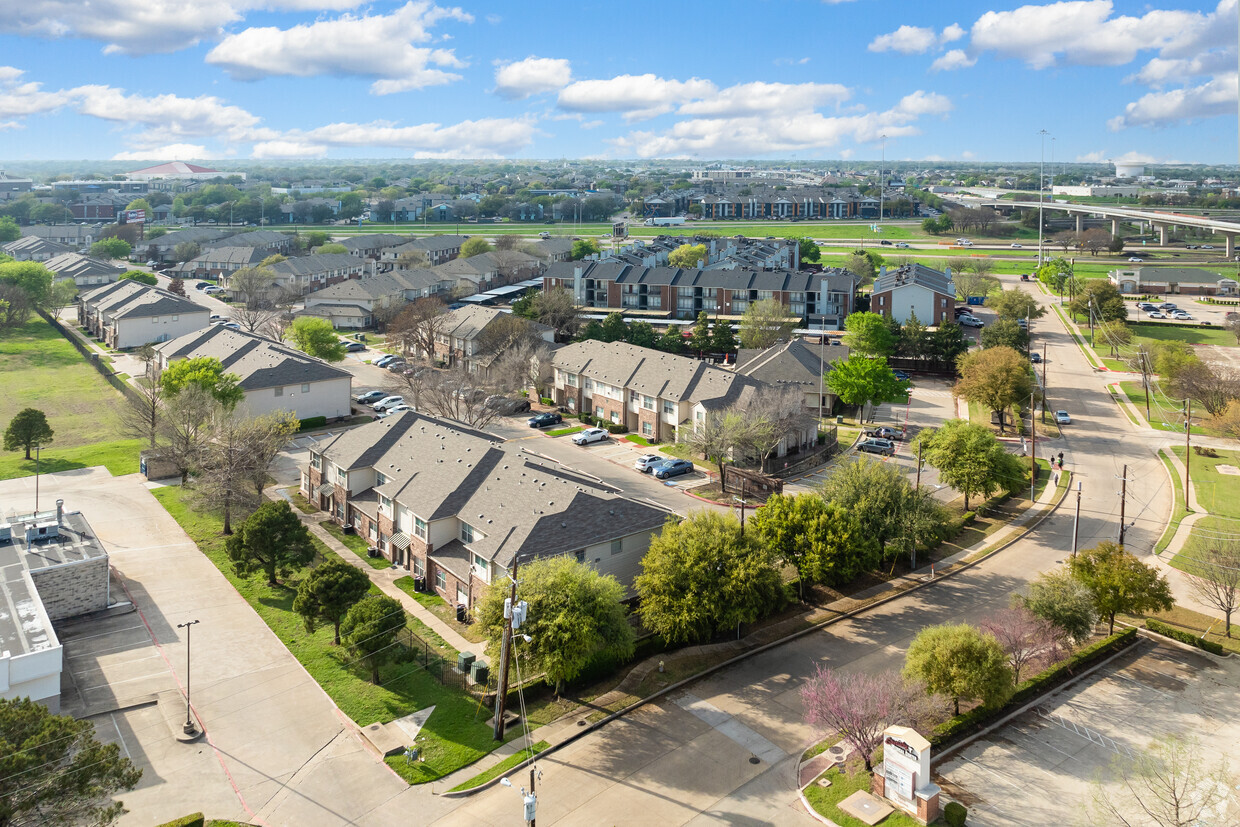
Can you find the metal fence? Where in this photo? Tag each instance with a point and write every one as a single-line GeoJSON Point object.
{"type": "Point", "coordinates": [444, 670]}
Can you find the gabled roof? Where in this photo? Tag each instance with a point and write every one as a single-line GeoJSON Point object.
{"type": "Point", "coordinates": [256, 238]}
{"type": "Point", "coordinates": [260, 362]}
{"type": "Point", "coordinates": [917, 274]}
{"type": "Point", "coordinates": [317, 263]}
{"type": "Point", "coordinates": [795, 362]}
{"type": "Point", "coordinates": [30, 245]}
{"type": "Point", "coordinates": [130, 299]}
{"type": "Point", "coordinates": [652, 372]}
{"type": "Point", "coordinates": [378, 286]}
{"type": "Point", "coordinates": [469, 321]}
{"type": "Point", "coordinates": [173, 168]}
{"type": "Point", "coordinates": [372, 242]}
{"type": "Point", "coordinates": [229, 255]}
{"type": "Point", "coordinates": [76, 265]}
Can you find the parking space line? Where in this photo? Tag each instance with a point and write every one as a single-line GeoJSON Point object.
{"type": "Point", "coordinates": [116, 683]}
{"type": "Point", "coordinates": [120, 735]}
{"type": "Point", "coordinates": [101, 634]}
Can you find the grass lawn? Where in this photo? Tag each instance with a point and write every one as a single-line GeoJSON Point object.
{"type": "Point", "coordinates": [1218, 494]}
{"type": "Point", "coordinates": [299, 502]}
{"type": "Point", "coordinates": [119, 457]}
{"type": "Point", "coordinates": [825, 799]}
{"type": "Point", "coordinates": [456, 733]}
{"type": "Point", "coordinates": [677, 449]}
{"type": "Point", "coordinates": [357, 545]}
{"type": "Point", "coordinates": [637, 440]}
{"type": "Point", "coordinates": [1178, 510]}
{"type": "Point", "coordinates": [566, 431]}
{"type": "Point", "coordinates": [1164, 418]}
{"type": "Point", "coordinates": [501, 768]}
{"type": "Point", "coordinates": [39, 368]}
{"type": "Point", "coordinates": [439, 607]}
{"type": "Point", "coordinates": [1194, 623]}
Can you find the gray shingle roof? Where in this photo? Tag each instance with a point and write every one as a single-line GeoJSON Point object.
{"type": "Point", "coordinates": [259, 362]}
{"type": "Point", "coordinates": [130, 299]}
{"type": "Point", "coordinates": [317, 263]}
{"type": "Point", "coordinates": [795, 362]}
{"type": "Point", "coordinates": [652, 372]}
{"type": "Point", "coordinates": [76, 265]}
{"type": "Point", "coordinates": [917, 274]}
{"type": "Point", "coordinates": [31, 245]}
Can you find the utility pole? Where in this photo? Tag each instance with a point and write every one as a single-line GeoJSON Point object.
{"type": "Point", "coordinates": [1123, 500]}
{"type": "Point", "coordinates": [1145, 374]}
{"type": "Point", "coordinates": [1033, 447]}
{"type": "Point", "coordinates": [532, 799]}
{"type": "Point", "coordinates": [514, 613]}
{"type": "Point", "coordinates": [1188, 448]}
{"type": "Point", "coordinates": [1076, 523]}
{"type": "Point", "coordinates": [189, 728]}
{"type": "Point", "coordinates": [1044, 372]}
{"type": "Point", "coordinates": [916, 492]}
{"type": "Point", "coordinates": [1041, 191]}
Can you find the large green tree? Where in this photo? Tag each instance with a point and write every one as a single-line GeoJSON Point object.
{"type": "Point", "coordinates": [807, 248]}
{"type": "Point", "coordinates": [1056, 596]}
{"type": "Point", "coordinates": [613, 328]}
{"type": "Point", "coordinates": [862, 381]}
{"type": "Point", "coordinates": [32, 278]}
{"type": "Point", "coordinates": [764, 323]}
{"type": "Point", "coordinates": [328, 592]}
{"type": "Point", "coordinates": [140, 276]}
{"type": "Point", "coordinates": [317, 338]}
{"type": "Point", "coordinates": [581, 249]}
{"type": "Point", "coordinates": [53, 771]}
{"type": "Point", "coordinates": [475, 246]}
{"type": "Point", "coordinates": [370, 628]}
{"type": "Point", "coordinates": [1006, 333]}
{"type": "Point", "coordinates": [869, 334]}
{"type": "Point", "coordinates": [111, 248]}
{"type": "Point", "coordinates": [1120, 582]}
{"type": "Point", "coordinates": [873, 493]}
{"type": "Point", "coordinates": [271, 540]}
{"type": "Point", "coordinates": [701, 339]}
{"type": "Point", "coordinates": [821, 540]}
{"type": "Point", "coordinates": [961, 663]}
{"type": "Point", "coordinates": [701, 577]}
{"type": "Point", "coordinates": [206, 372]}
{"type": "Point", "coordinates": [1103, 297]}
{"type": "Point", "coordinates": [722, 338]}
{"type": "Point", "coordinates": [687, 256]}
{"type": "Point", "coordinates": [575, 615]}
{"type": "Point", "coordinates": [1015, 304]}
{"type": "Point", "coordinates": [970, 459]}
{"type": "Point", "coordinates": [27, 430]}
{"type": "Point", "coordinates": [997, 377]}
{"type": "Point", "coordinates": [9, 231]}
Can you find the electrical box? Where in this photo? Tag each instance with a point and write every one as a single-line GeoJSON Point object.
{"type": "Point", "coordinates": [464, 661]}
{"type": "Point", "coordinates": [479, 673]}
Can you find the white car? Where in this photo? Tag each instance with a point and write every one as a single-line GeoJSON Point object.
{"type": "Point", "coordinates": [1017, 246]}
{"type": "Point", "coordinates": [1137, 260]}
{"type": "Point", "coordinates": [1062, 418]}
{"type": "Point", "coordinates": [589, 435]}
{"type": "Point", "coordinates": [395, 409]}
{"type": "Point", "coordinates": [901, 245]}
{"type": "Point", "coordinates": [388, 402]}
{"type": "Point", "coordinates": [1156, 314]}
{"type": "Point", "coordinates": [970, 321]}
{"type": "Point", "coordinates": [645, 461]}
{"type": "Point", "coordinates": [1180, 315]}
{"type": "Point", "coordinates": [1207, 246]}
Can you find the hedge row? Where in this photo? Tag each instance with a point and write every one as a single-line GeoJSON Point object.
{"type": "Point", "coordinates": [191, 820]}
{"type": "Point", "coordinates": [611, 427]}
{"type": "Point", "coordinates": [970, 722]}
{"type": "Point", "coordinates": [1184, 637]}
{"type": "Point", "coordinates": [311, 422]}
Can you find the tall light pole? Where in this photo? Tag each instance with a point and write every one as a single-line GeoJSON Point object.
{"type": "Point", "coordinates": [37, 449]}
{"type": "Point", "coordinates": [189, 727]}
{"type": "Point", "coordinates": [1041, 193]}
{"type": "Point", "coordinates": [882, 183]}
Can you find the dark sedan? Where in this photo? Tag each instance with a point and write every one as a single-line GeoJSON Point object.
{"type": "Point", "coordinates": [544, 420]}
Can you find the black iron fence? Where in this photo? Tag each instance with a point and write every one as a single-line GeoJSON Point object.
{"type": "Point", "coordinates": [417, 650]}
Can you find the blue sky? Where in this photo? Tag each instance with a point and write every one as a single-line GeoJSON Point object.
{"type": "Point", "coordinates": [137, 80]}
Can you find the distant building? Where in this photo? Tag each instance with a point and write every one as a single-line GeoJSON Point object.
{"type": "Point", "coordinates": [1188, 281]}
{"type": "Point", "coordinates": [128, 314]}
{"type": "Point", "coordinates": [1089, 191]}
{"type": "Point", "coordinates": [901, 292]}
{"type": "Point", "coordinates": [76, 236]}
{"type": "Point", "coordinates": [33, 248]}
{"type": "Point", "coordinates": [13, 186]}
{"type": "Point", "coordinates": [86, 271]}
{"type": "Point", "coordinates": [721, 174]}
{"type": "Point", "coordinates": [1123, 170]}
{"type": "Point", "coordinates": [180, 171]}
{"type": "Point", "coordinates": [437, 248]}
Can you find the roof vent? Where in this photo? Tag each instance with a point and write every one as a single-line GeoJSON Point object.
{"type": "Point", "coordinates": [563, 525]}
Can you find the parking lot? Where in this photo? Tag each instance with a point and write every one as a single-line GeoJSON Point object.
{"type": "Point", "coordinates": [1039, 769]}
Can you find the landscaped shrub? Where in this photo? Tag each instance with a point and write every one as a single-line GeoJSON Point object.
{"type": "Point", "coordinates": [1183, 637]}
{"type": "Point", "coordinates": [955, 814]}
{"type": "Point", "coordinates": [311, 422]}
{"type": "Point", "coordinates": [191, 820]}
{"type": "Point", "coordinates": [546, 400]}
{"type": "Point", "coordinates": [968, 518]}
{"type": "Point", "coordinates": [1204, 451]}
{"type": "Point", "coordinates": [613, 428]}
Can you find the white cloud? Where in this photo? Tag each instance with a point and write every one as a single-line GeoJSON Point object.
{"type": "Point", "coordinates": [170, 118]}
{"type": "Point", "coordinates": [952, 33]}
{"type": "Point", "coordinates": [638, 96]}
{"type": "Point", "coordinates": [19, 100]}
{"type": "Point", "coordinates": [791, 61]}
{"type": "Point", "coordinates": [967, 155]}
{"type": "Point", "coordinates": [8, 74]}
{"type": "Point", "coordinates": [379, 46]}
{"type": "Point", "coordinates": [483, 138]}
{"type": "Point", "coordinates": [758, 97]}
{"type": "Point", "coordinates": [782, 133]}
{"type": "Point", "coordinates": [164, 153]}
{"type": "Point", "coordinates": [1159, 71]}
{"type": "Point", "coordinates": [1176, 106]}
{"type": "Point", "coordinates": [288, 149]}
{"type": "Point", "coordinates": [532, 76]}
{"type": "Point", "coordinates": [952, 59]}
{"type": "Point", "coordinates": [1094, 157]}
{"type": "Point", "coordinates": [908, 40]}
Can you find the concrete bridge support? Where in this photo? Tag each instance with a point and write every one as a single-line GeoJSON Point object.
{"type": "Point", "coordinates": [1080, 222]}
{"type": "Point", "coordinates": [1230, 245]}
{"type": "Point", "coordinates": [1162, 233]}
{"type": "Point", "coordinates": [1115, 226]}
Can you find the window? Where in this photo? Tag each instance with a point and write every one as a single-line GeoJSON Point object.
{"type": "Point", "coordinates": [441, 581]}
{"type": "Point", "coordinates": [571, 380]}
{"type": "Point", "coordinates": [615, 418]}
{"type": "Point", "coordinates": [342, 476]}
{"type": "Point", "coordinates": [634, 397]}
{"type": "Point", "coordinates": [279, 391]}
{"type": "Point", "coordinates": [480, 564]}
{"type": "Point", "coordinates": [374, 532]}
{"type": "Point", "coordinates": [648, 403]}
{"type": "Point", "coordinates": [669, 407]}
{"type": "Point", "coordinates": [175, 318]}
{"type": "Point", "coordinates": [305, 388]}
{"type": "Point", "coordinates": [380, 479]}
{"type": "Point", "coordinates": [647, 429]}
{"type": "Point", "coordinates": [419, 568]}
{"type": "Point", "coordinates": [598, 411]}
{"type": "Point", "coordinates": [580, 554]}
{"type": "Point", "coordinates": [384, 502]}
{"type": "Point", "coordinates": [589, 386]}
{"type": "Point", "coordinates": [617, 546]}
{"type": "Point", "coordinates": [467, 533]}
{"type": "Point", "coordinates": [314, 461]}
{"type": "Point", "coordinates": [419, 527]}
{"type": "Point", "coordinates": [154, 320]}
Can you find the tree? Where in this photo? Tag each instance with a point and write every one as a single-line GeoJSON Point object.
{"type": "Point", "coordinates": [253, 285]}
{"type": "Point", "coordinates": [859, 381]}
{"type": "Point", "coordinates": [235, 459]}
{"type": "Point", "coordinates": [140, 276]}
{"type": "Point", "coordinates": [687, 256]}
{"type": "Point", "coordinates": [997, 377]}
{"type": "Point", "coordinates": [717, 435]}
{"type": "Point", "coordinates": [474, 246]}
{"type": "Point", "coordinates": [1116, 334]}
{"type": "Point", "coordinates": [1006, 333]}
{"type": "Point", "coordinates": [723, 339]}
{"type": "Point", "coordinates": [9, 231]}
{"type": "Point", "coordinates": [961, 663]}
{"type": "Point", "coordinates": [557, 308]}
{"type": "Point", "coordinates": [177, 286]}
{"type": "Point", "coordinates": [575, 615]}
{"type": "Point", "coordinates": [370, 628]}
{"type": "Point", "coordinates": [913, 341]}
{"type": "Point", "coordinates": [581, 249]}
{"type": "Point", "coordinates": [970, 459]}
{"type": "Point", "coordinates": [207, 373]}
{"type": "Point", "coordinates": [271, 540]}
{"type": "Point", "coordinates": [861, 266]}
{"type": "Point", "coordinates": [417, 325]}
{"type": "Point", "coordinates": [186, 251]}
{"type": "Point", "coordinates": [764, 323]}
{"type": "Point", "coordinates": [317, 338]}
{"type": "Point", "coordinates": [821, 540]}
{"type": "Point", "coordinates": [28, 429]}
{"type": "Point", "coordinates": [328, 592]}
{"type": "Point", "coordinates": [614, 328]}
{"type": "Point", "coordinates": [868, 334]}
{"type": "Point", "coordinates": [1094, 241]}
{"type": "Point", "coordinates": [1120, 582]}
{"type": "Point", "coordinates": [700, 340]}
{"type": "Point", "coordinates": [874, 493]}
{"type": "Point", "coordinates": [1026, 638]}
{"type": "Point", "coordinates": [972, 283]}
{"type": "Point", "coordinates": [701, 576]}
{"type": "Point", "coordinates": [642, 334]}
{"type": "Point", "coordinates": [1015, 304]}
{"type": "Point", "coordinates": [861, 705]}
{"type": "Point", "coordinates": [143, 409]}
{"type": "Point", "coordinates": [1213, 569]}
{"type": "Point", "coordinates": [56, 773]}
{"type": "Point", "coordinates": [671, 341]}
{"type": "Point", "coordinates": [1212, 384]}
{"type": "Point", "coordinates": [1104, 297]}
{"type": "Point", "coordinates": [1063, 601]}
{"type": "Point", "coordinates": [808, 249]}
{"type": "Point", "coordinates": [947, 343]}
{"type": "Point", "coordinates": [111, 248]}
{"type": "Point", "coordinates": [1169, 784]}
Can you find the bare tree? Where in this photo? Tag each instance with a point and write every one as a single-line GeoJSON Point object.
{"type": "Point", "coordinates": [1168, 785]}
{"type": "Point", "coordinates": [457, 394]}
{"type": "Point", "coordinates": [507, 242]}
{"type": "Point", "coordinates": [1026, 638]}
{"type": "Point", "coordinates": [1095, 241]}
{"type": "Point", "coordinates": [184, 428]}
{"type": "Point", "coordinates": [143, 409]}
{"type": "Point", "coordinates": [1213, 569]}
{"type": "Point", "coordinates": [772, 418]}
{"type": "Point", "coordinates": [413, 260]}
{"type": "Point", "coordinates": [223, 483]}
{"type": "Point", "coordinates": [417, 325]}
{"type": "Point", "coordinates": [503, 332]}
{"type": "Point", "coordinates": [265, 437]}
{"type": "Point", "coordinates": [1065, 239]}
{"type": "Point", "coordinates": [557, 308]}
{"type": "Point", "coordinates": [983, 266]}
{"type": "Point", "coordinates": [1212, 384]}
{"type": "Point", "coordinates": [528, 363]}
{"type": "Point", "coordinates": [717, 435]}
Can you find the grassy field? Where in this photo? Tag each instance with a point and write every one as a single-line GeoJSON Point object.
{"type": "Point", "coordinates": [40, 369]}
{"type": "Point", "coordinates": [456, 734]}
{"type": "Point", "coordinates": [119, 457]}
{"type": "Point", "coordinates": [357, 545]}
{"type": "Point", "coordinates": [1179, 509]}
{"type": "Point", "coordinates": [1162, 416]}
{"type": "Point", "coordinates": [440, 608]}
{"type": "Point", "coordinates": [1186, 620]}
{"type": "Point", "coordinates": [843, 784]}
{"type": "Point", "coordinates": [1218, 494]}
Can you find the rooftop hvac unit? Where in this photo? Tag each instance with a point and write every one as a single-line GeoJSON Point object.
{"type": "Point", "coordinates": [42, 531]}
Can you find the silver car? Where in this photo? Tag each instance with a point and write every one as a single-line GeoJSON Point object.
{"type": "Point", "coordinates": [645, 461]}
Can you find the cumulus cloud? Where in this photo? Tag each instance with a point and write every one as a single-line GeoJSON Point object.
{"type": "Point", "coordinates": [288, 149]}
{"type": "Point", "coordinates": [915, 40]}
{"type": "Point", "coordinates": [637, 96]}
{"type": "Point", "coordinates": [758, 97]}
{"type": "Point", "coordinates": [532, 76]}
{"type": "Point", "coordinates": [482, 138]}
{"type": "Point", "coordinates": [379, 46]}
{"type": "Point", "coordinates": [1160, 71]}
{"type": "Point", "coordinates": [169, 118]}
{"type": "Point", "coordinates": [953, 59]}
{"type": "Point", "coordinates": [1177, 106]}
{"type": "Point", "coordinates": [19, 100]}
{"type": "Point", "coordinates": [161, 153]}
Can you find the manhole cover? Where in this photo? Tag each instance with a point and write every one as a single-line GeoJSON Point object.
{"type": "Point", "coordinates": [753, 759]}
{"type": "Point", "coordinates": [582, 722]}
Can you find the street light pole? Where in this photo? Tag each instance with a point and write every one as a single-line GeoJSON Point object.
{"type": "Point", "coordinates": [1076, 523]}
{"type": "Point", "coordinates": [189, 727]}
{"type": "Point", "coordinates": [882, 183]}
{"type": "Point", "coordinates": [1041, 193]}
{"type": "Point", "coordinates": [37, 450]}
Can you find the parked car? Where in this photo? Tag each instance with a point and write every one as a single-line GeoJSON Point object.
{"type": "Point", "coordinates": [394, 410]}
{"type": "Point", "coordinates": [962, 310]}
{"type": "Point", "coordinates": [902, 245]}
{"type": "Point", "coordinates": [903, 376]}
{"type": "Point", "coordinates": [885, 447]}
{"type": "Point", "coordinates": [542, 420]}
{"type": "Point", "coordinates": [589, 435]}
{"type": "Point", "coordinates": [213, 290]}
{"type": "Point", "coordinates": [508, 405]}
{"type": "Point", "coordinates": [671, 468]}
{"type": "Point", "coordinates": [397, 365]}
{"type": "Point", "coordinates": [1035, 357]}
{"type": "Point", "coordinates": [231, 325]}
{"type": "Point", "coordinates": [383, 360]}
{"type": "Point", "coordinates": [1062, 418]}
{"type": "Point", "coordinates": [646, 462]}
{"type": "Point", "coordinates": [1016, 246]}
{"type": "Point", "coordinates": [352, 347]}
{"type": "Point", "coordinates": [1156, 314]}
{"type": "Point", "coordinates": [202, 285]}
{"type": "Point", "coordinates": [1145, 306]}
{"type": "Point", "coordinates": [1180, 316]}
{"type": "Point", "coordinates": [152, 263]}
{"type": "Point", "coordinates": [370, 396]}
{"type": "Point", "coordinates": [1167, 306]}
{"type": "Point", "coordinates": [216, 317]}
{"type": "Point", "coordinates": [389, 402]}
{"type": "Point", "coordinates": [883, 432]}
{"type": "Point", "coordinates": [970, 321]}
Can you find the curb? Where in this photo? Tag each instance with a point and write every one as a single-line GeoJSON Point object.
{"type": "Point", "coordinates": [675, 687]}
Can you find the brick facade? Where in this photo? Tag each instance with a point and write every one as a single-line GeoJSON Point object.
{"type": "Point", "coordinates": [74, 588]}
